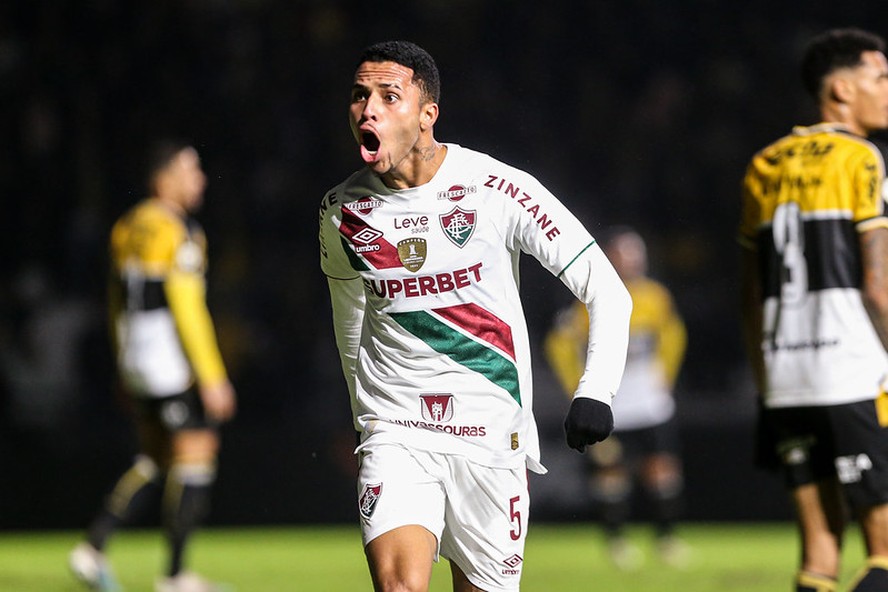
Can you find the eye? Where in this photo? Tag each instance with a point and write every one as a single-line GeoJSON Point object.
{"type": "Point", "coordinates": [391, 97]}
{"type": "Point", "coordinates": [359, 95]}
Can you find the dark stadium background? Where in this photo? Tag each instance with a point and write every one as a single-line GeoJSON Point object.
{"type": "Point", "coordinates": [633, 112]}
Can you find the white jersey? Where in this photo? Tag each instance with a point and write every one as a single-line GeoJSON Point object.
{"type": "Point", "coordinates": [429, 324]}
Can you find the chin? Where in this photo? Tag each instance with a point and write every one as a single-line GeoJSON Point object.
{"type": "Point", "coordinates": [378, 167]}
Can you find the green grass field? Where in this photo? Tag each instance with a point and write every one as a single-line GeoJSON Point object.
{"type": "Point", "coordinates": [747, 558]}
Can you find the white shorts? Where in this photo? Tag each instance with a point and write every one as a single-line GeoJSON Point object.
{"type": "Point", "coordinates": [478, 514]}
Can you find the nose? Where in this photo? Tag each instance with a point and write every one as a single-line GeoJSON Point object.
{"type": "Point", "coordinates": [369, 112]}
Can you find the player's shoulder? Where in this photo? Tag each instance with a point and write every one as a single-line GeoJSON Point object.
{"type": "Point", "coordinates": [149, 214]}
{"type": "Point", "coordinates": [829, 136]}
{"type": "Point", "coordinates": [361, 183]}
{"type": "Point", "coordinates": [773, 152]}
{"type": "Point", "coordinates": [483, 162]}
{"type": "Point", "coordinates": [830, 140]}
{"type": "Point", "coordinates": [649, 288]}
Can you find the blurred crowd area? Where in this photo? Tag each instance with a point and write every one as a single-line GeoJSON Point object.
{"type": "Point", "coordinates": [636, 112]}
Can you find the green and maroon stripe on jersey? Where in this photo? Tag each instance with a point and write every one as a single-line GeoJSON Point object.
{"type": "Point", "coordinates": [470, 336]}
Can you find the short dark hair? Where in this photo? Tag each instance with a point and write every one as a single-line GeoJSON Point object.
{"type": "Point", "coordinates": [409, 55]}
{"type": "Point", "coordinates": [159, 156]}
{"type": "Point", "coordinates": [835, 49]}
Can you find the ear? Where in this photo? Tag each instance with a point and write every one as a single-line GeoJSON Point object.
{"type": "Point", "coordinates": [428, 116]}
{"type": "Point", "coordinates": [840, 89]}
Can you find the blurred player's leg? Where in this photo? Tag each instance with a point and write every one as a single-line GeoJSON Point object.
{"type": "Point", "coordinates": [664, 486]}
{"type": "Point", "coordinates": [811, 582]}
{"type": "Point", "coordinates": [874, 576]}
{"type": "Point", "coordinates": [132, 494]}
{"type": "Point", "coordinates": [186, 501]}
{"type": "Point", "coordinates": [91, 568]}
{"type": "Point", "coordinates": [821, 517]}
{"type": "Point", "coordinates": [612, 488]}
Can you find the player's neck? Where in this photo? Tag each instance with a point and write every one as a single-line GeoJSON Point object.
{"type": "Point", "coordinates": [840, 115]}
{"type": "Point", "coordinates": [170, 204]}
{"type": "Point", "coordinates": [418, 168]}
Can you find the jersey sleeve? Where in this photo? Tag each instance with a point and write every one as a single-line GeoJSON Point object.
{"type": "Point", "coordinates": [565, 346]}
{"type": "Point", "coordinates": [334, 259]}
{"type": "Point", "coordinates": [750, 210]}
{"type": "Point", "coordinates": [593, 280]}
{"type": "Point", "coordinates": [185, 290]}
{"type": "Point", "coordinates": [559, 241]}
{"type": "Point", "coordinates": [348, 301]}
{"type": "Point", "coordinates": [346, 290]}
{"type": "Point", "coordinates": [671, 336]}
{"type": "Point", "coordinates": [869, 188]}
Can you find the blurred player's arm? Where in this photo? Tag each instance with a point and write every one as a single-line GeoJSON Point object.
{"type": "Point", "coordinates": [874, 252]}
{"type": "Point", "coordinates": [565, 346]}
{"type": "Point", "coordinates": [595, 282]}
{"type": "Point", "coordinates": [186, 296]}
{"type": "Point", "coordinates": [116, 298]}
{"type": "Point", "coordinates": [751, 312]}
{"type": "Point", "coordinates": [672, 340]}
{"type": "Point", "coordinates": [750, 281]}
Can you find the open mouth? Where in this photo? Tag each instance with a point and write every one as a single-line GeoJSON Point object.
{"type": "Point", "coordinates": [369, 147]}
{"type": "Point", "coordinates": [370, 142]}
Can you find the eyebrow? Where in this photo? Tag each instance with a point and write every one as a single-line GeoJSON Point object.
{"type": "Point", "coordinates": [397, 85]}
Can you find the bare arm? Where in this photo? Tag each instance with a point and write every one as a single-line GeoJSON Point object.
{"type": "Point", "coordinates": [751, 312]}
{"type": "Point", "coordinates": [874, 257]}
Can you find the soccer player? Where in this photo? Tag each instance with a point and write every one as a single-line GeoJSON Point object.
{"type": "Point", "coordinates": [169, 362]}
{"type": "Point", "coordinates": [645, 440]}
{"type": "Point", "coordinates": [421, 249]}
{"type": "Point", "coordinates": [815, 304]}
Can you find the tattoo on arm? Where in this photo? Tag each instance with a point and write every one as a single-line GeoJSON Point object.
{"type": "Point", "coordinates": [874, 259]}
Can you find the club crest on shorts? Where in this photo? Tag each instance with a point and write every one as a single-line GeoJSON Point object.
{"type": "Point", "coordinates": [368, 499]}
{"type": "Point", "coordinates": [458, 225]}
{"type": "Point", "coordinates": [437, 407]}
{"type": "Point", "coordinates": [412, 253]}
{"type": "Point", "coordinates": [174, 414]}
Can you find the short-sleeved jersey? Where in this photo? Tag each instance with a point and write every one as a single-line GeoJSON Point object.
{"type": "Point", "coordinates": [806, 199]}
{"type": "Point", "coordinates": [162, 330]}
{"type": "Point", "coordinates": [444, 356]}
{"type": "Point", "coordinates": [657, 339]}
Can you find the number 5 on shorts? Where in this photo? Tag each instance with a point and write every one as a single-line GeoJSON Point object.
{"type": "Point", "coordinates": [515, 518]}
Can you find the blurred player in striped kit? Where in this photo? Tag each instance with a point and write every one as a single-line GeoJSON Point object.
{"type": "Point", "coordinates": [815, 303]}
{"type": "Point", "coordinates": [170, 365]}
{"type": "Point", "coordinates": [645, 442]}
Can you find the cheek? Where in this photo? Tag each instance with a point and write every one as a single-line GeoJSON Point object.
{"type": "Point", "coordinates": [353, 117]}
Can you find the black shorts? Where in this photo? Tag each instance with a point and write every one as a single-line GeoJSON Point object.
{"type": "Point", "coordinates": [630, 446]}
{"type": "Point", "coordinates": [184, 411]}
{"type": "Point", "coordinates": [845, 442]}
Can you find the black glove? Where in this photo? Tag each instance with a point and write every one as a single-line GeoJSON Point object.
{"type": "Point", "coordinates": [588, 421]}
